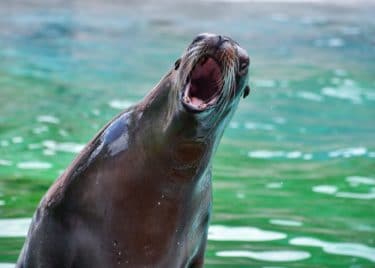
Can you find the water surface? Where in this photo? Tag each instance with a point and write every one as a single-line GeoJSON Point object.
{"type": "Point", "coordinates": [294, 177]}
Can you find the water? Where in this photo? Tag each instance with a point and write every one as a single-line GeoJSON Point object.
{"type": "Point", "coordinates": [294, 177]}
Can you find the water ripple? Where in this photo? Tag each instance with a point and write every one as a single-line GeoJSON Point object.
{"type": "Point", "coordinates": [7, 265]}
{"type": "Point", "coordinates": [264, 83]}
{"type": "Point", "coordinates": [358, 180]}
{"type": "Point", "coordinates": [348, 152]}
{"type": "Point", "coordinates": [309, 96]}
{"type": "Point", "coordinates": [272, 256]}
{"type": "Point", "coordinates": [48, 119]}
{"type": "Point", "coordinates": [260, 126]}
{"type": "Point", "coordinates": [4, 162]}
{"type": "Point", "coordinates": [224, 233]}
{"type": "Point", "coordinates": [285, 222]}
{"type": "Point", "coordinates": [4, 143]}
{"type": "Point", "coordinates": [325, 189]}
{"type": "Point", "coordinates": [120, 104]}
{"type": "Point", "coordinates": [40, 129]}
{"type": "Point", "coordinates": [348, 249]}
{"type": "Point", "coordinates": [34, 165]}
{"type": "Point", "coordinates": [339, 153]}
{"type": "Point", "coordinates": [68, 147]}
{"type": "Point", "coordinates": [364, 196]}
{"type": "Point", "coordinates": [17, 139]}
{"type": "Point", "coordinates": [14, 227]}
{"type": "Point", "coordinates": [344, 93]}
{"type": "Point", "coordinates": [265, 154]}
{"type": "Point", "coordinates": [333, 190]}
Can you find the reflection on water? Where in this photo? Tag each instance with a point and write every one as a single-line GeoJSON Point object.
{"type": "Point", "coordinates": [18, 228]}
{"type": "Point", "coordinates": [271, 256]}
{"type": "Point", "coordinates": [7, 265]}
{"type": "Point", "coordinates": [34, 165]}
{"type": "Point", "coordinates": [223, 233]}
{"type": "Point", "coordinates": [295, 169]}
{"type": "Point", "coordinates": [285, 222]}
{"type": "Point", "coordinates": [348, 249]}
{"type": "Point", "coordinates": [354, 182]}
{"type": "Point", "coordinates": [14, 227]}
{"type": "Point", "coordinates": [358, 180]}
{"type": "Point", "coordinates": [340, 153]}
{"type": "Point", "coordinates": [120, 104]}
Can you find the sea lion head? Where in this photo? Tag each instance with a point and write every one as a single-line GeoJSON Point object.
{"type": "Point", "coordinates": [197, 98]}
{"type": "Point", "coordinates": [211, 76]}
{"type": "Point", "coordinates": [213, 72]}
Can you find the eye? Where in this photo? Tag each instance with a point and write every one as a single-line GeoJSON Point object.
{"type": "Point", "coordinates": [177, 64]}
{"type": "Point", "coordinates": [246, 91]}
{"type": "Point", "coordinates": [244, 64]}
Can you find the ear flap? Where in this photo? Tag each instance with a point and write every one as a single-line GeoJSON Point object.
{"type": "Point", "coordinates": [177, 64]}
{"type": "Point", "coordinates": [246, 91]}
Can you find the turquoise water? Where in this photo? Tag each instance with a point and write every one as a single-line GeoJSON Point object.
{"type": "Point", "coordinates": [294, 176]}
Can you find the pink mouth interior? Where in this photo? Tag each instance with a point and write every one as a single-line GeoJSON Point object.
{"type": "Point", "coordinates": [205, 83]}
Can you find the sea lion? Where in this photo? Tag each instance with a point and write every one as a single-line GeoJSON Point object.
{"type": "Point", "coordinates": [139, 194]}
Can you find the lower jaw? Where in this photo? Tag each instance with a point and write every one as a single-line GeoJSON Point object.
{"type": "Point", "coordinates": [198, 105]}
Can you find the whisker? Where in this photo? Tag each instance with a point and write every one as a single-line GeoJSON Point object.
{"type": "Point", "coordinates": [226, 83]}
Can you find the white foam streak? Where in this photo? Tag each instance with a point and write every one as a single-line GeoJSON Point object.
{"type": "Point", "coordinates": [224, 233]}
{"type": "Point", "coordinates": [309, 96]}
{"type": "Point", "coordinates": [120, 104]}
{"type": "Point", "coordinates": [271, 256]}
{"type": "Point", "coordinates": [348, 249]}
{"type": "Point", "coordinates": [265, 154]}
{"type": "Point", "coordinates": [14, 227]}
{"type": "Point", "coordinates": [285, 222]}
{"type": "Point", "coordinates": [17, 139]}
{"type": "Point", "coordinates": [364, 196]}
{"type": "Point", "coordinates": [34, 165]}
{"type": "Point", "coordinates": [325, 189]}
{"type": "Point", "coordinates": [7, 265]}
{"type": "Point", "coordinates": [348, 93]}
{"type": "Point", "coordinates": [358, 180]}
{"type": "Point", "coordinates": [48, 119]}
{"type": "Point", "coordinates": [333, 190]}
{"type": "Point", "coordinates": [265, 83]}
{"type": "Point", "coordinates": [348, 152]}
{"type": "Point", "coordinates": [4, 162]}
{"type": "Point", "coordinates": [261, 126]}
{"type": "Point", "coordinates": [68, 147]}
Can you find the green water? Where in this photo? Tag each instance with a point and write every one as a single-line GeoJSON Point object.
{"type": "Point", "coordinates": [294, 176]}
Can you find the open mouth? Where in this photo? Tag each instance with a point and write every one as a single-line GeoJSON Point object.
{"type": "Point", "coordinates": [203, 85]}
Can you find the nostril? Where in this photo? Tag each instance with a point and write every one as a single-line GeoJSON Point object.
{"type": "Point", "coordinates": [222, 40]}
{"type": "Point", "coordinates": [198, 38]}
{"type": "Point", "coordinates": [219, 40]}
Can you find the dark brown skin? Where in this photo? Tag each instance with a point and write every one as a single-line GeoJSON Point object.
{"type": "Point", "coordinates": [139, 195]}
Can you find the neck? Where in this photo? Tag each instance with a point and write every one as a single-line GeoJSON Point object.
{"type": "Point", "coordinates": [170, 128]}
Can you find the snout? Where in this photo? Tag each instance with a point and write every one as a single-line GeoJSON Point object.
{"type": "Point", "coordinates": [217, 71]}
{"type": "Point", "coordinates": [216, 43]}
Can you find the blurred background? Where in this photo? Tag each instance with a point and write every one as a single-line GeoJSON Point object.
{"type": "Point", "coordinates": [294, 176]}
